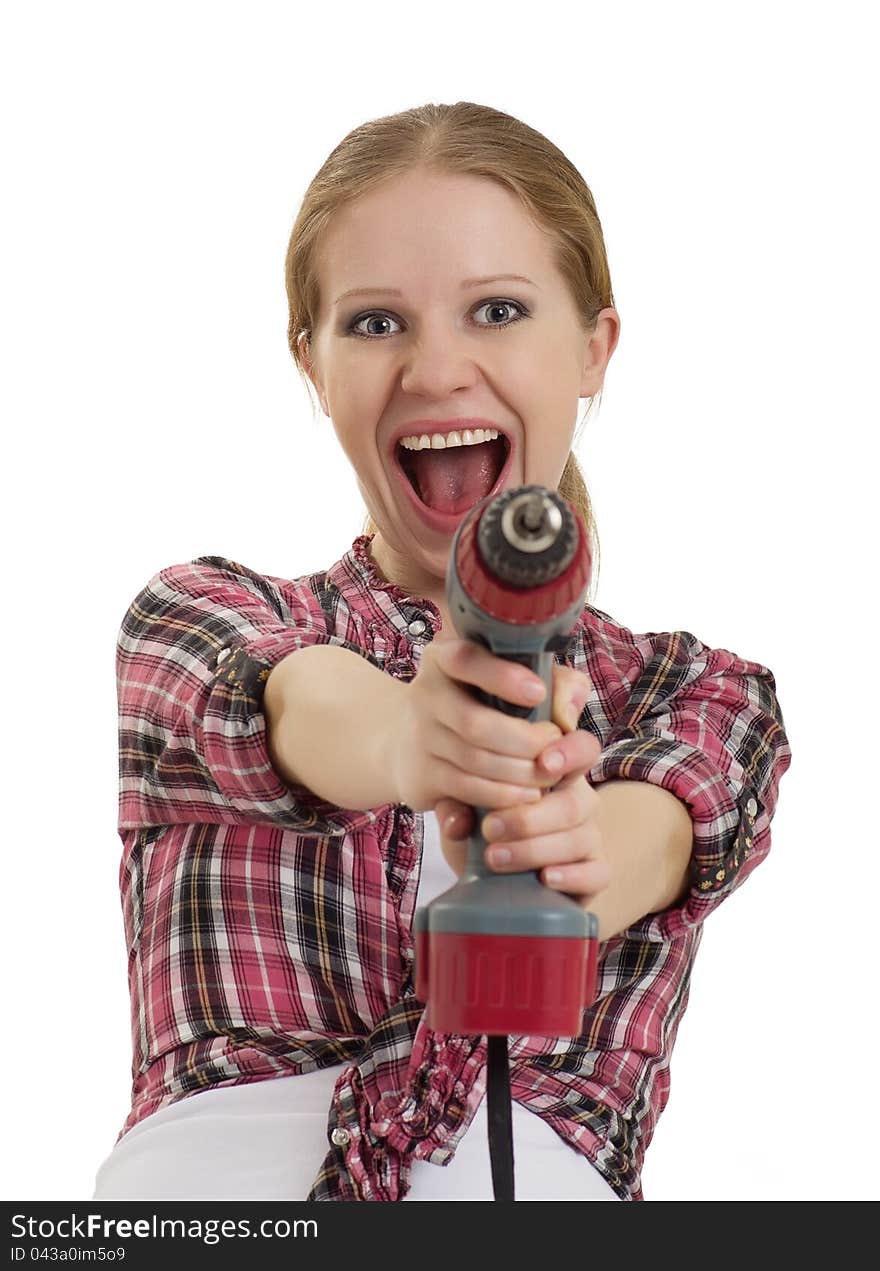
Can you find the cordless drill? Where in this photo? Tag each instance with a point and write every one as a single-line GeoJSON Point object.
{"type": "Point", "coordinates": [502, 953]}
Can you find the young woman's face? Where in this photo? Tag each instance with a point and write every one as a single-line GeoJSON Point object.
{"type": "Point", "coordinates": [428, 352]}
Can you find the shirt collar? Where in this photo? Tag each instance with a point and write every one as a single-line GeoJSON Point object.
{"type": "Point", "coordinates": [358, 578]}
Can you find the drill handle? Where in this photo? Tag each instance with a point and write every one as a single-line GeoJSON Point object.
{"type": "Point", "coordinates": [540, 663]}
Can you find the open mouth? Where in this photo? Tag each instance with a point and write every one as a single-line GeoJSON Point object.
{"type": "Point", "coordinates": [453, 479]}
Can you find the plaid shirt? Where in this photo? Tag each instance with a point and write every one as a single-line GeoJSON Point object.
{"type": "Point", "coordinates": [269, 932]}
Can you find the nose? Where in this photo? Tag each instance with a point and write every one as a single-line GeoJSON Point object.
{"type": "Point", "coordinates": [438, 361]}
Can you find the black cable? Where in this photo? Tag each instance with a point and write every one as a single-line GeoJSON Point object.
{"type": "Point", "coordinates": [499, 1116]}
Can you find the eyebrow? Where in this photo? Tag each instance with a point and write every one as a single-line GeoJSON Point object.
{"type": "Point", "coordinates": [468, 282]}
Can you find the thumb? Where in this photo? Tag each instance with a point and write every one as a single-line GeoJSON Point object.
{"type": "Point", "coordinates": [455, 819]}
{"type": "Point", "coordinates": [572, 690]}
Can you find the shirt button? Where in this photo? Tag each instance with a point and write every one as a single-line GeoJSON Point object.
{"type": "Point", "coordinates": [340, 1138]}
{"type": "Point", "coordinates": [417, 627]}
{"type": "Point", "coordinates": [222, 655]}
{"type": "Point", "coordinates": [752, 807]}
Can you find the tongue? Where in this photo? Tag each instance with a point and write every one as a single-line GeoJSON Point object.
{"type": "Point", "coordinates": [454, 480]}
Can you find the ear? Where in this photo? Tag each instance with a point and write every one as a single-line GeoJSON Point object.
{"type": "Point", "coordinates": [304, 349]}
{"type": "Point", "coordinates": [601, 341]}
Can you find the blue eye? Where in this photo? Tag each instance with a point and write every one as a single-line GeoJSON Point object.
{"type": "Point", "coordinates": [387, 317]}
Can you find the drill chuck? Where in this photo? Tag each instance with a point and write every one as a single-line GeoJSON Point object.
{"type": "Point", "coordinates": [527, 537]}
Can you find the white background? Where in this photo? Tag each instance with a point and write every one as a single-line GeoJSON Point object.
{"type": "Point", "coordinates": [153, 158]}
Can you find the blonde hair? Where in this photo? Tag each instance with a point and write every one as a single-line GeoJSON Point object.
{"type": "Point", "coordinates": [479, 141]}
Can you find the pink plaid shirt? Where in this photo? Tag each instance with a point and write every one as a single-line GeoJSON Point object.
{"type": "Point", "coordinates": [269, 932]}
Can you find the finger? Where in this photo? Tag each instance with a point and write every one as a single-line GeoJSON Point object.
{"type": "Point", "coordinates": [488, 728]}
{"type": "Point", "coordinates": [472, 663]}
{"type": "Point", "coordinates": [489, 763]}
{"type": "Point", "coordinates": [572, 689]}
{"type": "Point", "coordinates": [576, 752]}
{"type": "Point", "coordinates": [571, 811]}
{"type": "Point", "coordinates": [454, 853]}
{"type": "Point", "coordinates": [477, 792]}
{"type": "Point", "coordinates": [456, 820]}
{"type": "Point", "coordinates": [550, 851]}
{"type": "Point", "coordinates": [583, 879]}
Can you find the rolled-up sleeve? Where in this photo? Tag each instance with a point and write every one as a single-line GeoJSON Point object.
{"type": "Point", "coordinates": [193, 655]}
{"type": "Point", "coordinates": [706, 725]}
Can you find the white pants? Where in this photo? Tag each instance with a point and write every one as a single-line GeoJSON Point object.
{"type": "Point", "coordinates": [265, 1140]}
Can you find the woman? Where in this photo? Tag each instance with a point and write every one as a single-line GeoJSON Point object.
{"type": "Point", "coordinates": [298, 758]}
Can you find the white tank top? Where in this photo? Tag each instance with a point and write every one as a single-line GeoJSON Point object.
{"type": "Point", "coordinates": [265, 1140]}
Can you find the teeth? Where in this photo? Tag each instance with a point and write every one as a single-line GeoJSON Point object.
{"type": "Point", "coordinates": [442, 441]}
